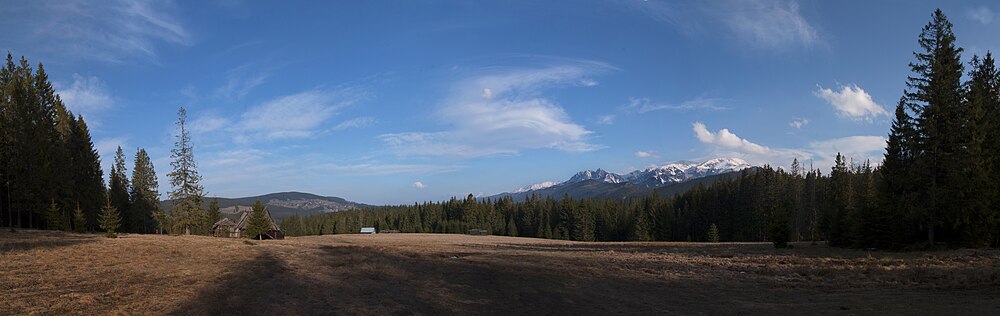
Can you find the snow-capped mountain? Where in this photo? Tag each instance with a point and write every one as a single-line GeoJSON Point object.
{"type": "Point", "coordinates": [599, 175]}
{"type": "Point", "coordinates": [681, 171]}
{"type": "Point", "coordinates": [536, 186]}
{"type": "Point", "coordinates": [656, 176]}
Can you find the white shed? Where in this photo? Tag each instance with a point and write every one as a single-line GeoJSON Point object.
{"type": "Point", "coordinates": [367, 230]}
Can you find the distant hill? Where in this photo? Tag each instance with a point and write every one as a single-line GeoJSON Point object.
{"type": "Point", "coordinates": [282, 204]}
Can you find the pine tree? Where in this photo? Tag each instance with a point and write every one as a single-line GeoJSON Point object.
{"type": "Point", "coordinates": [187, 194]}
{"type": "Point", "coordinates": [214, 214]}
{"type": "Point", "coordinates": [713, 233]}
{"type": "Point", "coordinates": [975, 216]}
{"type": "Point", "coordinates": [145, 194]}
{"type": "Point", "coordinates": [118, 189]}
{"type": "Point", "coordinates": [79, 220]}
{"type": "Point", "coordinates": [86, 172]}
{"type": "Point", "coordinates": [935, 92]}
{"type": "Point", "coordinates": [109, 219]}
{"type": "Point", "coordinates": [511, 227]}
{"type": "Point", "coordinates": [55, 218]}
{"type": "Point", "coordinates": [258, 224]}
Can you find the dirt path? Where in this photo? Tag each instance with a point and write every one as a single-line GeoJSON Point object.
{"type": "Point", "coordinates": [42, 272]}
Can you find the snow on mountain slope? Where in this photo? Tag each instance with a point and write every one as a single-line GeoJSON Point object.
{"type": "Point", "coordinates": [675, 172]}
{"type": "Point", "coordinates": [536, 186]}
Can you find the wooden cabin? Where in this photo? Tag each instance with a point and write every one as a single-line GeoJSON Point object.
{"type": "Point", "coordinates": [224, 228]}
{"type": "Point", "coordinates": [227, 228]}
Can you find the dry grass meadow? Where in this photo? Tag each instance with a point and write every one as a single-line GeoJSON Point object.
{"type": "Point", "coordinates": [61, 273]}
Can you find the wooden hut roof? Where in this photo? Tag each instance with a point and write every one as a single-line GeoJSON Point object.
{"type": "Point", "coordinates": [224, 222]}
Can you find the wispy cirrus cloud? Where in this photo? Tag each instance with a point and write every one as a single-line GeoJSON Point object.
{"type": "Point", "coordinates": [109, 31]}
{"type": "Point", "coordinates": [643, 105]}
{"type": "Point", "coordinates": [981, 14]}
{"type": "Point", "coordinates": [504, 112]}
{"type": "Point", "coordinates": [85, 95]}
{"type": "Point", "coordinates": [773, 25]}
{"type": "Point", "coordinates": [299, 115]}
{"type": "Point", "coordinates": [357, 122]}
{"type": "Point", "coordinates": [295, 116]}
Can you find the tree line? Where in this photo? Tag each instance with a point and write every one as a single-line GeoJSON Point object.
{"type": "Point", "coordinates": [939, 183]}
{"type": "Point", "coordinates": [51, 177]}
{"type": "Point", "coordinates": [50, 173]}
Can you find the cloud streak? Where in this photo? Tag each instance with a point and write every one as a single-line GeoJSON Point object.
{"type": "Point", "coordinates": [773, 25]}
{"type": "Point", "coordinates": [110, 31]}
{"type": "Point", "coordinates": [502, 113]}
{"type": "Point", "coordinates": [643, 105]}
{"type": "Point", "coordinates": [85, 95]}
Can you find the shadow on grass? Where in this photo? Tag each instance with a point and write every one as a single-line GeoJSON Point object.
{"type": "Point", "coordinates": [367, 280]}
{"type": "Point", "coordinates": [26, 240]}
{"type": "Point", "coordinates": [354, 280]}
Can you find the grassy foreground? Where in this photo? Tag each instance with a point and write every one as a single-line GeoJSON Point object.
{"type": "Point", "coordinates": [60, 273]}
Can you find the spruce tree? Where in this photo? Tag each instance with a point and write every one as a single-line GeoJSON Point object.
{"type": "Point", "coordinates": [975, 217]}
{"type": "Point", "coordinates": [79, 220]}
{"type": "Point", "coordinates": [258, 225]}
{"type": "Point", "coordinates": [118, 187]}
{"type": "Point", "coordinates": [86, 172]}
{"type": "Point", "coordinates": [145, 194]}
{"type": "Point", "coordinates": [187, 192]}
{"type": "Point", "coordinates": [935, 92]}
{"type": "Point", "coordinates": [713, 233]}
{"type": "Point", "coordinates": [511, 228]}
{"type": "Point", "coordinates": [109, 219]}
{"type": "Point", "coordinates": [214, 214]}
{"type": "Point", "coordinates": [55, 218]}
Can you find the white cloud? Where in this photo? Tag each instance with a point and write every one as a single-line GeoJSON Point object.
{"type": "Point", "coordinates": [86, 95]}
{"type": "Point", "coordinates": [298, 115]}
{"type": "Point", "coordinates": [516, 117]}
{"type": "Point", "coordinates": [726, 139]}
{"type": "Point", "coordinates": [110, 31]}
{"type": "Point", "coordinates": [358, 122]}
{"type": "Point", "coordinates": [645, 154]}
{"type": "Point", "coordinates": [643, 105]}
{"type": "Point", "coordinates": [852, 102]}
{"type": "Point", "coordinates": [487, 93]}
{"type": "Point", "coordinates": [606, 119]}
{"type": "Point", "coordinates": [981, 14]}
{"type": "Point", "coordinates": [419, 185]}
{"type": "Point", "coordinates": [798, 123]}
{"type": "Point", "coordinates": [821, 153]}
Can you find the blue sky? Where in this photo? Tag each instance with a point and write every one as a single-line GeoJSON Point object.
{"type": "Point", "coordinates": [395, 102]}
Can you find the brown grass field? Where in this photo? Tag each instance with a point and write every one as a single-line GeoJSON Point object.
{"type": "Point", "coordinates": [61, 273]}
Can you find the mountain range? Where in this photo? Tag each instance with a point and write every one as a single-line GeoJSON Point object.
{"type": "Point", "coordinates": [669, 178]}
